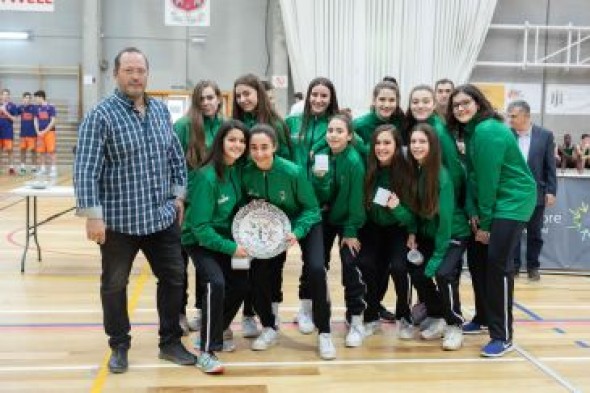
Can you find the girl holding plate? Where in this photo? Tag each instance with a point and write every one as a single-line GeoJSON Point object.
{"type": "Point", "coordinates": [285, 185]}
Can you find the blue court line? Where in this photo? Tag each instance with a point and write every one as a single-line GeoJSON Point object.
{"type": "Point", "coordinates": [582, 344]}
{"type": "Point", "coordinates": [559, 330]}
{"type": "Point", "coordinates": [530, 313]}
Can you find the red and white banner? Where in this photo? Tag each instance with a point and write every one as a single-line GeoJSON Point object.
{"type": "Point", "coordinates": [27, 5]}
{"type": "Point", "coordinates": [187, 12]}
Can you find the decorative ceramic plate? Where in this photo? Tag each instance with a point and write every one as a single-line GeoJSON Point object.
{"type": "Point", "coordinates": [262, 229]}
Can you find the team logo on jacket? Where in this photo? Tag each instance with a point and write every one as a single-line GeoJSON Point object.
{"type": "Point", "coordinates": [222, 199]}
{"type": "Point", "coordinates": [282, 195]}
{"type": "Point", "coordinates": [188, 5]}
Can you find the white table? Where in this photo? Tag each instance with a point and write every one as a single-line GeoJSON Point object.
{"type": "Point", "coordinates": [31, 222]}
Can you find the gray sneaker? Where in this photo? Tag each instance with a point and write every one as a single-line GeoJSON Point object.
{"type": "Point", "coordinates": [209, 363]}
{"type": "Point", "coordinates": [267, 338]}
{"type": "Point", "coordinates": [435, 330]}
{"type": "Point", "coordinates": [453, 338]}
{"type": "Point", "coordinates": [249, 327]}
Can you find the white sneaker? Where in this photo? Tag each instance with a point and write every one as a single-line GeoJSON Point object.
{"type": "Point", "coordinates": [405, 330]}
{"type": "Point", "coordinates": [304, 317]}
{"type": "Point", "coordinates": [228, 341]}
{"type": "Point", "coordinates": [249, 327]}
{"type": "Point", "coordinates": [356, 332]}
{"type": "Point", "coordinates": [326, 346]}
{"type": "Point", "coordinates": [372, 328]}
{"type": "Point", "coordinates": [453, 338]}
{"type": "Point", "coordinates": [275, 312]}
{"type": "Point", "coordinates": [435, 330]}
{"type": "Point", "coordinates": [267, 338]}
{"type": "Point", "coordinates": [426, 322]}
{"type": "Point", "coordinates": [195, 323]}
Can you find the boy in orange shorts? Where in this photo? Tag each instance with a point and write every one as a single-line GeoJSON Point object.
{"type": "Point", "coordinates": [8, 114]}
{"type": "Point", "coordinates": [28, 135]}
{"type": "Point", "coordinates": [45, 119]}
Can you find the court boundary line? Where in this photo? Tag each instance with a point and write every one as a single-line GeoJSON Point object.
{"type": "Point", "coordinates": [278, 364]}
{"type": "Point", "coordinates": [546, 369]}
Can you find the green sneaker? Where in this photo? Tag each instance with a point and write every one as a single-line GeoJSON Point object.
{"type": "Point", "coordinates": [209, 363]}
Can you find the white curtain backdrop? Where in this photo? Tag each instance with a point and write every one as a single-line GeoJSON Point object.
{"type": "Point", "coordinates": [357, 42]}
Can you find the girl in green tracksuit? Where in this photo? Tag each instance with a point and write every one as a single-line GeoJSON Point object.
{"type": "Point", "coordinates": [443, 233]}
{"type": "Point", "coordinates": [340, 193]}
{"type": "Point", "coordinates": [285, 185]}
{"type": "Point", "coordinates": [385, 109]}
{"type": "Point", "coordinates": [421, 109]}
{"type": "Point", "coordinates": [252, 106]}
{"type": "Point", "coordinates": [384, 236]}
{"type": "Point", "coordinates": [503, 196]}
{"type": "Point", "coordinates": [214, 196]}
{"type": "Point", "coordinates": [196, 131]}
{"type": "Point", "coordinates": [308, 129]}
{"type": "Point", "coordinates": [308, 136]}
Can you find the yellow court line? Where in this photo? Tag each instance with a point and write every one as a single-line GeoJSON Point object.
{"type": "Point", "coordinates": [101, 377]}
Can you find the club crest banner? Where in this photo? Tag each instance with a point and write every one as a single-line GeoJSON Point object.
{"type": "Point", "coordinates": [187, 13]}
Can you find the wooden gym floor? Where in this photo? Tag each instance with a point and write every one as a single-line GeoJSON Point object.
{"type": "Point", "coordinates": [51, 336]}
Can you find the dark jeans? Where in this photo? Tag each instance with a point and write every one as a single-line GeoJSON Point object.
{"type": "Point", "coordinates": [222, 291]}
{"type": "Point", "coordinates": [477, 257]}
{"type": "Point", "coordinates": [383, 254]}
{"type": "Point", "coordinates": [315, 286]}
{"type": "Point", "coordinates": [354, 285]}
{"type": "Point", "coordinates": [500, 276]}
{"type": "Point", "coordinates": [163, 252]}
{"type": "Point", "coordinates": [534, 241]}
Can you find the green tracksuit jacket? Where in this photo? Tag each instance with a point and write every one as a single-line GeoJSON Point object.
{"type": "Point", "coordinates": [341, 188]}
{"type": "Point", "coordinates": [211, 206]}
{"type": "Point", "coordinates": [384, 216]}
{"type": "Point", "coordinates": [310, 139]}
{"type": "Point", "coordinates": [286, 186]}
{"type": "Point", "coordinates": [450, 154]}
{"type": "Point", "coordinates": [365, 125]}
{"type": "Point", "coordinates": [450, 221]}
{"type": "Point", "coordinates": [501, 182]}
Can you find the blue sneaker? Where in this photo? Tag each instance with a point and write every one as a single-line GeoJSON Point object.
{"type": "Point", "coordinates": [496, 349]}
{"type": "Point", "coordinates": [474, 328]}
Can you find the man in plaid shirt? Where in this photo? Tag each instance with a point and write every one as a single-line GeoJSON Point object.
{"type": "Point", "coordinates": [130, 180]}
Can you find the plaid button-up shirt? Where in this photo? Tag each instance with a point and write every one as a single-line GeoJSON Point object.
{"type": "Point", "coordinates": [129, 168]}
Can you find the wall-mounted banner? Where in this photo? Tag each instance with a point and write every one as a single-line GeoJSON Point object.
{"type": "Point", "coordinates": [566, 226]}
{"type": "Point", "coordinates": [567, 99]}
{"type": "Point", "coordinates": [29, 5]}
{"type": "Point", "coordinates": [187, 12]}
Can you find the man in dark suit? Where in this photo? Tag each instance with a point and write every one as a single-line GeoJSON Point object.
{"type": "Point", "coordinates": [537, 147]}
